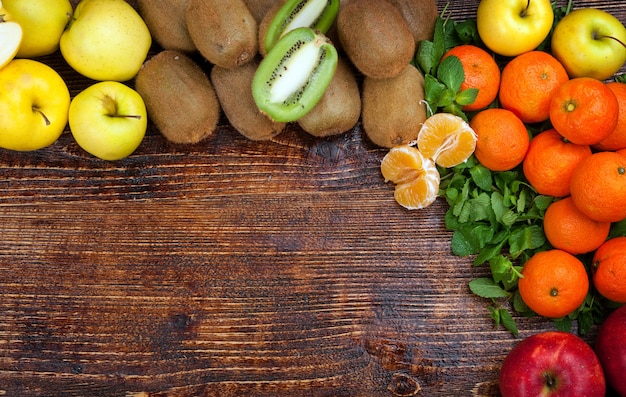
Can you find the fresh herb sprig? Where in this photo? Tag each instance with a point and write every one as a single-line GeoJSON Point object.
{"type": "Point", "coordinates": [496, 217]}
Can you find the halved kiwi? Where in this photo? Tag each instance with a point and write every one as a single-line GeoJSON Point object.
{"type": "Point", "coordinates": [293, 76]}
{"type": "Point", "coordinates": [316, 14]}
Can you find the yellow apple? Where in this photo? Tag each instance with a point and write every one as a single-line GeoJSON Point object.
{"type": "Point", "coordinates": [10, 39]}
{"type": "Point", "coordinates": [34, 101]}
{"type": "Point", "coordinates": [590, 43]}
{"type": "Point", "coordinates": [512, 27]}
{"type": "Point", "coordinates": [106, 40]}
{"type": "Point", "coordinates": [43, 22]}
{"type": "Point", "coordinates": [108, 119]}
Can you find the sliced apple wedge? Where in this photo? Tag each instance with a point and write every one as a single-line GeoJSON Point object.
{"type": "Point", "coordinates": [10, 40]}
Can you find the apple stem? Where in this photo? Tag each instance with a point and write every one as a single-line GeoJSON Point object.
{"type": "Point", "coordinates": [45, 118]}
{"type": "Point", "coordinates": [525, 10]}
{"type": "Point", "coordinates": [610, 37]}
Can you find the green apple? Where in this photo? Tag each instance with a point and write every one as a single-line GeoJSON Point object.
{"type": "Point", "coordinates": [10, 39]}
{"type": "Point", "coordinates": [34, 102]}
{"type": "Point", "coordinates": [43, 22]}
{"type": "Point", "coordinates": [590, 43]}
{"type": "Point", "coordinates": [512, 27]}
{"type": "Point", "coordinates": [108, 120]}
{"type": "Point", "coordinates": [106, 40]}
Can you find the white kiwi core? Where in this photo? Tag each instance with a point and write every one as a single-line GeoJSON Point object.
{"type": "Point", "coordinates": [295, 72]}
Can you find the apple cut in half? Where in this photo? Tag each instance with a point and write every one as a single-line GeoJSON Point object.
{"type": "Point", "coordinates": [10, 40]}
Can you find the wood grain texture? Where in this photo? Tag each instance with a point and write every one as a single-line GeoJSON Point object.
{"type": "Point", "coordinates": [234, 268]}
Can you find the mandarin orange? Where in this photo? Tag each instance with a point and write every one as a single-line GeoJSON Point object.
{"type": "Point", "coordinates": [584, 110]}
{"type": "Point", "coordinates": [609, 269]}
{"type": "Point", "coordinates": [481, 72]}
{"type": "Point", "coordinates": [568, 229]}
{"type": "Point", "coordinates": [554, 283]}
{"type": "Point", "coordinates": [598, 186]}
{"type": "Point", "coordinates": [415, 176]}
{"type": "Point", "coordinates": [447, 139]}
{"type": "Point", "coordinates": [502, 139]}
{"type": "Point", "coordinates": [527, 84]}
{"type": "Point", "coordinates": [617, 138]}
{"type": "Point", "coordinates": [550, 162]}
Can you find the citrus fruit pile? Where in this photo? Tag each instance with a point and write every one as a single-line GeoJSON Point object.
{"type": "Point", "coordinates": [563, 136]}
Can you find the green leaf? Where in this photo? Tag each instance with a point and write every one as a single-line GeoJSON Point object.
{"type": "Point", "coordinates": [500, 267]}
{"type": "Point", "coordinates": [487, 253]}
{"type": "Point", "coordinates": [563, 324]}
{"type": "Point", "coordinates": [470, 238]}
{"type": "Point", "coordinates": [486, 288]}
{"type": "Point", "coordinates": [467, 96]}
{"type": "Point", "coordinates": [450, 73]}
{"type": "Point", "coordinates": [526, 238]}
{"type": "Point", "coordinates": [425, 57]}
{"type": "Point", "coordinates": [508, 321]}
{"type": "Point", "coordinates": [481, 176]}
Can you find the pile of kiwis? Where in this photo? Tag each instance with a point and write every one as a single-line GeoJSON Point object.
{"type": "Point", "coordinates": [323, 64]}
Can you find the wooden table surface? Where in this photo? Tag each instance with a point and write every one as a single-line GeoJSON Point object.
{"type": "Point", "coordinates": [235, 268]}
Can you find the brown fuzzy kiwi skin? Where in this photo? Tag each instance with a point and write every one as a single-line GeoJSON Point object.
{"type": "Point", "coordinates": [259, 8]}
{"type": "Point", "coordinates": [393, 110]}
{"type": "Point", "coordinates": [224, 32]}
{"type": "Point", "coordinates": [166, 21]}
{"type": "Point", "coordinates": [233, 87]}
{"type": "Point", "coordinates": [340, 107]}
{"type": "Point", "coordinates": [420, 16]}
{"type": "Point", "coordinates": [375, 37]}
{"type": "Point", "coordinates": [179, 97]}
{"type": "Point", "coordinates": [265, 23]}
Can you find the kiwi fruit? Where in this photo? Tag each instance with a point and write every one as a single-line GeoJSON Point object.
{"type": "Point", "coordinates": [420, 16]}
{"type": "Point", "coordinates": [340, 107]}
{"type": "Point", "coordinates": [166, 21]}
{"type": "Point", "coordinates": [375, 37]}
{"type": "Point", "coordinates": [259, 8]}
{"type": "Point", "coordinates": [224, 32]}
{"type": "Point", "coordinates": [179, 97]}
{"type": "Point", "coordinates": [293, 76]}
{"type": "Point", "coordinates": [266, 22]}
{"type": "Point", "coordinates": [233, 87]}
{"type": "Point", "coordinates": [393, 109]}
{"type": "Point", "coordinates": [316, 14]}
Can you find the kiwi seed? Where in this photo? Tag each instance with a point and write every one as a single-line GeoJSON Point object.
{"type": "Point", "coordinates": [375, 37]}
{"type": "Point", "coordinates": [393, 109]}
{"type": "Point", "coordinates": [224, 32]}
{"type": "Point", "coordinates": [166, 21]}
{"type": "Point", "coordinates": [340, 107]}
{"type": "Point", "coordinates": [293, 76]}
{"type": "Point", "coordinates": [233, 87]}
{"type": "Point", "coordinates": [179, 97]}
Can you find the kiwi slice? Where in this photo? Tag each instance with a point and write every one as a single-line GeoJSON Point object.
{"type": "Point", "coordinates": [293, 76]}
{"type": "Point", "coordinates": [340, 107]}
{"type": "Point", "coordinates": [179, 97]}
{"type": "Point", "coordinates": [233, 87]}
{"type": "Point", "coordinates": [316, 14]}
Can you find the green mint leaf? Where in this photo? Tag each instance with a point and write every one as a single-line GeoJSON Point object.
{"type": "Point", "coordinates": [450, 73]}
{"type": "Point", "coordinates": [563, 324]}
{"type": "Point", "coordinates": [526, 238]}
{"type": "Point", "coordinates": [467, 32]}
{"type": "Point", "coordinates": [470, 239]}
{"type": "Point", "coordinates": [447, 98]}
{"type": "Point", "coordinates": [433, 91]}
{"type": "Point", "coordinates": [508, 321]}
{"type": "Point", "coordinates": [487, 253]}
{"type": "Point", "coordinates": [495, 315]}
{"type": "Point", "coordinates": [481, 177]}
{"type": "Point", "coordinates": [467, 96]}
{"type": "Point", "coordinates": [500, 267]}
{"type": "Point", "coordinates": [618, 229]}
{"type": "Point", "coordinates": [425, 57]}
{"type": "Point", "coordinates": [486, 288]}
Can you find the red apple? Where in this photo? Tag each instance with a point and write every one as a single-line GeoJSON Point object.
{"type": "Point", "coordinates": [611, 349]}
{"type": "Point", "coordinates": [552, 363]}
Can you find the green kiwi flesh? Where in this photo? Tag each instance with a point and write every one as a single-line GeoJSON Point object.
{"type": "Point", "coordinates": [393, 109]}
{"type": "Point", "coordinates": [233, 87]}
{"type": "Point", "coordinates": [316, 14]}
{"type": "Point", "coordinates": [179, 97]}
{"type": "Point", "coordinates": [293, 76]}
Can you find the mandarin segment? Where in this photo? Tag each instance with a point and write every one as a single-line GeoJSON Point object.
{"type": "Point", "coordinates": [554, 283]}
{"type": "Point", "coordinates": [447, 139]}
{"type": "Point", "coordinates": [415, 176]}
